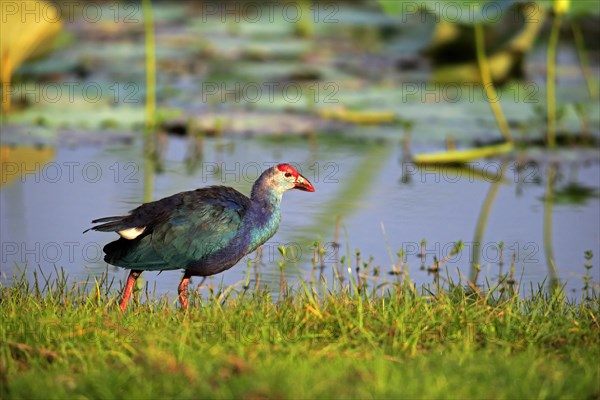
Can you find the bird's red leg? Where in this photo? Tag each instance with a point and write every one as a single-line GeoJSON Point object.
{"type": "Point", "coordinates": [182, 290]}
{"type": "Point", "coordinates": [133, 275]}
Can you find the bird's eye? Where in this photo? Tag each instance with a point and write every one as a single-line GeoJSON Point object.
{"type": "Point", "coordinates": [288, 174]}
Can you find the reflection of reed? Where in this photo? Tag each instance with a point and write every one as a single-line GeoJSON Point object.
{"type": "Point", "coordinates": [348, 197]}
{"type": "Point", "coordinates": [548, 249]}
{"type": "Point", "coordinates": [149, 171]}
{"type": "Point", "coordinates": [482, 222]}
{"type": "Point", "coordinates": [195, 148]}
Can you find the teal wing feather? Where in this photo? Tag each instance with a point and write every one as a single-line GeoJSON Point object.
{"type": "Point", "coordinates": [197, 229]}
{"type": "Point", "coordinates": [135, 254]}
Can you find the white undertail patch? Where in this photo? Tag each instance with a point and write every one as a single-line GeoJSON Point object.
{"type": "Point", "coordinates": [131, 233]}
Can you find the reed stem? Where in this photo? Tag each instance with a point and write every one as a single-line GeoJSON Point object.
{"type": "Point", "coordinates": [551, 81]}
{"type": "Point", "coordinates": [488, 83]}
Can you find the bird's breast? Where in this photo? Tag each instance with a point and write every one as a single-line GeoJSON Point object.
{"type": "Point", "coordinates": [262, 230]}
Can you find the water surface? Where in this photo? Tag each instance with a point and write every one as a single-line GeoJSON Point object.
{"type": "Point", "coordinates": [383, 204]}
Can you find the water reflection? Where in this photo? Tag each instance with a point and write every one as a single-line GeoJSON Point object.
{"type": "Point", "coordinates": [483, 219]}
{"type": "Point", "coordinates": [548, 247]}
{"type": "Point", "coordinates": [18, 161]}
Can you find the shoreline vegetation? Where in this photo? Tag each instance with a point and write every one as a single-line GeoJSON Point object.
{"type": "Point", "coordinates": [62, 339]}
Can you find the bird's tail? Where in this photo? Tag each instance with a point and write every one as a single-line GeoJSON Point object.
{"type": "Point", "coordinates": [111, 224]}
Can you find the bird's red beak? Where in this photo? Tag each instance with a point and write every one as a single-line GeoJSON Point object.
{"type": "Point", "coordinates": [303, 184]}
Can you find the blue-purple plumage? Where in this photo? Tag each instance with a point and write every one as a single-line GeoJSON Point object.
{"type": "Point", "coordinates": [204, 231]}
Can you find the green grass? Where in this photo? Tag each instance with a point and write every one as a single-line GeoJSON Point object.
{"type": "Point", "coordinates": [61, 340]}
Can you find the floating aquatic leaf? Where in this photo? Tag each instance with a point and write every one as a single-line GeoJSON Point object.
{"type": "Point", "coordinates": [462, 156]}
{"type": "Point", "coordinates": [358, 117]}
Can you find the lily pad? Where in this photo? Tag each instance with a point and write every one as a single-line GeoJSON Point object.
{"type": "Point", "coordinates": [462, 156]}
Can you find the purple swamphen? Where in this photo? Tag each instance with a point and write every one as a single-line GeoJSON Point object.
{"type": "Point", "coordinates": [204, 231]}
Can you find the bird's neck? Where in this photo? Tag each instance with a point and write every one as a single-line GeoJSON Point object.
{"type": "Point", "coordinates": [265, 215]}
{"type": "Point", "coordinates": [265, 195]}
